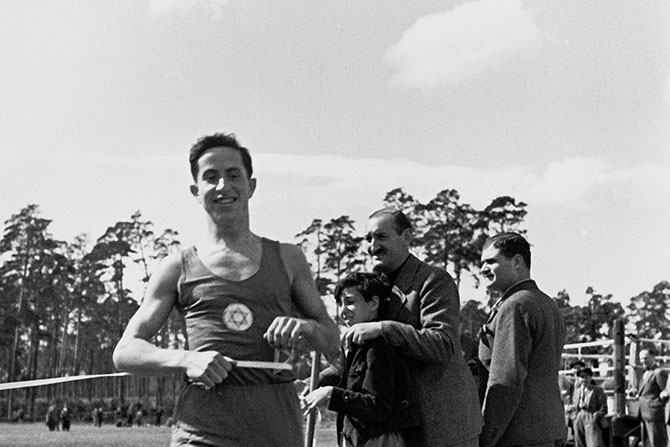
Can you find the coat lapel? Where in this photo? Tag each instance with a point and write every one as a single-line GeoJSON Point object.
{"type": "Point", "coordinates": [406, 274]}
{"type": "Point", "coordinates": [588, 393]}
{"type": "Point", "coordinates": [401, 289]}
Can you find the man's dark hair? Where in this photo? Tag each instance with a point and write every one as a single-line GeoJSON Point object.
{"type": "Point", "coordinates": [585, 372]}
{"type": "Point", "coordinates": [577, 363]}
{"type": "Point", "coordinates": [401, 221]}
{"type": "Point", "coordinates": [370, 285]}
{"type": "Point", "coordinates": [510, 244]}
{"type": "Point", "coordinates": [218, 140]}
{"type": "Point", "coordinates": [651, 350]}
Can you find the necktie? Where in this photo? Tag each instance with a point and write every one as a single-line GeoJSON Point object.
{"type": "Point", "coordinates": [580, 403]}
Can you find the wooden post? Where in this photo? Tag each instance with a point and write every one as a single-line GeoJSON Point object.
{"type": "Point", "coordinates": [619, 368]}
{"type": "Point", "coordinates": [313, 384]}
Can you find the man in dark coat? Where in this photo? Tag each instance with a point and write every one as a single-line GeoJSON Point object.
{"type": "Point", "coordinates": [652, 404]}
{"type": "Point", "coordinates": [521, 348]}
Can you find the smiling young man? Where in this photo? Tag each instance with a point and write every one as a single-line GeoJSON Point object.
{"type": "Point", "coordinates": [425, 332]}
{"type": "Point", "coordinates": [242, 296]}
{"type": "Point", "coordinates": [521, 348]}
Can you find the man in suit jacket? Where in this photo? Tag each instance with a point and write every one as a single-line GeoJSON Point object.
{"type": "Point", "coordinates": [652, 405]}
{"type": "Point", "coordinates": [425, 331]}
{"type": "Point", "coordinates": [569, 393]}
{"type": "Point", "coordinates": [589, 408]}
{"type": "Point", "coordinates": [521, 347]}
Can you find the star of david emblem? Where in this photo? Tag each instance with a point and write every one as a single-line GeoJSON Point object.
{"type": "Point", "coordinates": [238, 317]}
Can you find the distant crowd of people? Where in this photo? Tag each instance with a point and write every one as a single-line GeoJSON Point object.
{"type": "Point", "coordinates": [138, 415]}
{"type": "Point", "coordinates": [58, 418]}
{"type": "Point", "coordinates": [586, 406]}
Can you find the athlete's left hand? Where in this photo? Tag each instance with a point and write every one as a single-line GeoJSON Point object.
{"type": "Point", "coordinates": [284, 332]}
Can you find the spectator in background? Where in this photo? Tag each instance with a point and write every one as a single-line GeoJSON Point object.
{"type": "Point", "coordinates": [130, 416]}
{"type": "Point", "coordinates": [97, 416]}
{"type": "Point", "coordinates": [589, 409]}
{"type": "Point", "coordinates": [652, 404]}
{"type": "Point", "coordinates": [568, 391]}
{"type": "Point", "coordinates": [139, 415]}
{"type": "Point", "coordinates": [119, 415]}
{"type": "Point", "coordinates": [159, 416]}
{"type": "Point", "coordinates": [52, 418]}
{"type": "Point", "coordinates": [65, 418]}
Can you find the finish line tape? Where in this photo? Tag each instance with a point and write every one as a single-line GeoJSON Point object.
{"type": "Point", "coordinates": [55, 380]}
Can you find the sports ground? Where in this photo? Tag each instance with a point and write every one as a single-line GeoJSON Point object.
{"type": "Point", "coordinates": [87, 435]}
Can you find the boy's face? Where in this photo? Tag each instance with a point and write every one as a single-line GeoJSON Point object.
{"type": "Point", "coordinates": [354, 309]}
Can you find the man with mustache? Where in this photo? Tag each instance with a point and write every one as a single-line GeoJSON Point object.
{"type": "Point", "coordinates": [425, 331]}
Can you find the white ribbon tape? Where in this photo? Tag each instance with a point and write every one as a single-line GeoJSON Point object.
{"type": "Point", "coordinates": [54, 380]}
{"type": "Point", "coordinates": [39, 382]}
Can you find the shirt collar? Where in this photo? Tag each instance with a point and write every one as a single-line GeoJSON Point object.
{"type": "Point", "coordinates": [394, 274]}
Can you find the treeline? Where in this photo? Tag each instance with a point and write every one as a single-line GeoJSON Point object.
{"type": "Point", "coordinates": [64, 305]}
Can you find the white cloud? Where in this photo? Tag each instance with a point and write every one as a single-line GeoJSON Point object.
{"type": "Point", "coordinates": [86, 192]}
{"type": "Point", "coordinates": [569, 180]}
{"type": "Point", "coordinates": [78, 160]}
{"type": "Point", "coordinates": [319, 176]}
{"type": "Point", "coordinates": [164, 7]}
{"type": "Point", "coordinates": [447, 47]}
{"type": "Point", "coordinates": [374, 176]}
{"type": "Point", "coordinates": [667, 40]}
{"type": "Point", "coordinates": [572, 179]}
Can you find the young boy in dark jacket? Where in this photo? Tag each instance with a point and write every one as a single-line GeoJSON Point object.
{"type": "Point", "coordinates": [374, 399]}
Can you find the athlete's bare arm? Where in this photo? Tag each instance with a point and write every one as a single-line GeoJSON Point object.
{"type": "Point", "coordinates": [319, 330]}
{"type": "Point", "coordinates": [136, 354]}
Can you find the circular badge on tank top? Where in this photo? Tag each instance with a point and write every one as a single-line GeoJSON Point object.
{"type": "Point", "coordinates": [238, 317]}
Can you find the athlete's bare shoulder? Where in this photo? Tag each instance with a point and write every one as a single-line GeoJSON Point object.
{"type": "Point", "coordinates": [168, 272]}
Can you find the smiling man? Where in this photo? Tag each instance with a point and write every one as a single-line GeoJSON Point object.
{"type": "Point", "coordinates": [242, 296]}
{"type": "Point", "coordinates": [426, 333]}
{"type": "Point", "coordinates": [521, 346]}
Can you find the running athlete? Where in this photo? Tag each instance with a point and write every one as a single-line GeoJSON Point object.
{"type": "Point", "coordinates": [243, 298]}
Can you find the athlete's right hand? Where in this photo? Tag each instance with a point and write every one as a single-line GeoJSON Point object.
{"type": "Point", "coordinates": [208, 367]}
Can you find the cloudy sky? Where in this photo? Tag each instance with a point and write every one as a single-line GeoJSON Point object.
{"type": "Point", "coordinates": [562, 104]}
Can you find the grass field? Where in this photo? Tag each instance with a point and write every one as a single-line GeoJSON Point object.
{"type": "Point", "coordinates": [86, 435]}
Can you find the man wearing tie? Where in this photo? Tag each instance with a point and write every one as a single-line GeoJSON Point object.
{"type": "Point", "coordinates": [652, 405]}
{"type": "Point", "coordinates": [589, 408]}
{"type": "Point", "coordinates": [520, 347]}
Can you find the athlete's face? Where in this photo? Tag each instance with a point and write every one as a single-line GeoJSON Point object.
{"type": "Point", "coordinates": [222, 185]}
